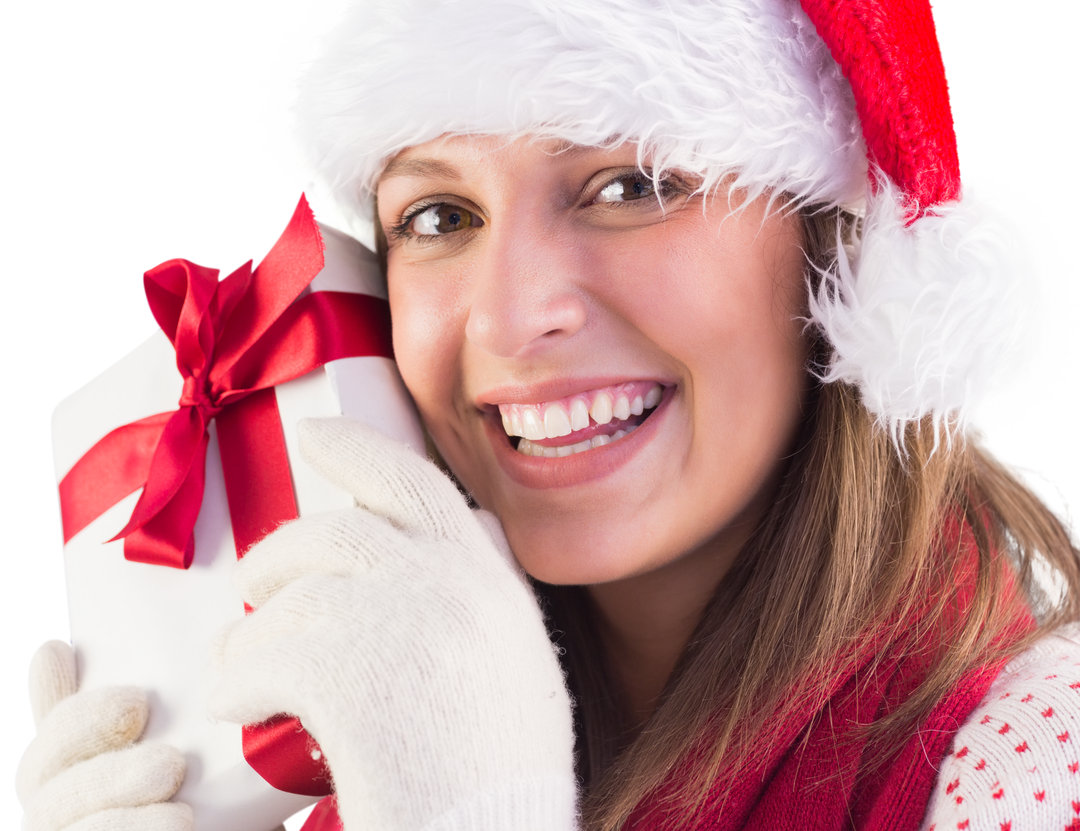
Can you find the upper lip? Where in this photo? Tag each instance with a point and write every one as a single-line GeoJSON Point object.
{"type": "Point", "coordinates": [553, 389]}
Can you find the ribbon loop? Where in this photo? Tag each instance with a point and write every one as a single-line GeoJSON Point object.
{"type": "Point", "coordinates": [233, 338]}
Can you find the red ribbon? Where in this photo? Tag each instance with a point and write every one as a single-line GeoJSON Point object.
{"type": "Point", "coordinates": [324, 817]}
{"type": "Point", "coordinates": [235, 340]}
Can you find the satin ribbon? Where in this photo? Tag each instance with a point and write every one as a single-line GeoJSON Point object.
{"type": "Point", "coordinates": [324, 817]}
{"type": "Point", "coordinates": [235, 340]}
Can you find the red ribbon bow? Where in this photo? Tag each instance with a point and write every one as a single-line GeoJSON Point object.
{"type": "Point", "coordinates": [235, 340]}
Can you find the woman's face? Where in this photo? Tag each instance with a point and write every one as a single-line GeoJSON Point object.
{"type": "Point", "coordinates": [534, 286]}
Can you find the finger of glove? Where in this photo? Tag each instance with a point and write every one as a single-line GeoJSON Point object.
{"type": "Point", "coordinates": [339, 542]}
{"type": "Point", "coordinates": [493, 528]}
{"type": "Point", "coordinates": [138, 775]}
{"type": "Point", "coordinates": [263, 657]}
{"type": "Point", "coordinates": [80, 727]}
{"type": "Point", "coordinates": [52, 677]}
{"type": "Point", "coordinates": [387, 477]}
{"type": "Point", "coordinates": [162, 816]}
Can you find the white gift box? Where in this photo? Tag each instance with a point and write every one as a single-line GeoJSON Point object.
{"type": "Point", "coordinates": [150, 625]}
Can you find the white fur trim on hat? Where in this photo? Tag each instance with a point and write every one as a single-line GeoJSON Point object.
{"type": "Point", "coordinates": [745, 87]}
{"type": "Point", "coordinates": [934, 312]}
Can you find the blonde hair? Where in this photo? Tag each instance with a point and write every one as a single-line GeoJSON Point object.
{"type": "Point", "coordinates": [850, 551]}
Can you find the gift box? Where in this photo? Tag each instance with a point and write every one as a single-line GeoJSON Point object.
{"type": "Point", "coordinates": [178, 458]}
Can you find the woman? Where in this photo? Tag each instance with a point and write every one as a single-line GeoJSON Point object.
{"type": "Point", "coordinates": [780, 578]}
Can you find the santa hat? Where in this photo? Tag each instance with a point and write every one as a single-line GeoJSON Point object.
{"type": "Point", "coordinates": [832, 102]}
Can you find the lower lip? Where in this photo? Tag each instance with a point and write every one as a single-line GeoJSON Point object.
{"type": "Point", "coordinates": [579, 468]}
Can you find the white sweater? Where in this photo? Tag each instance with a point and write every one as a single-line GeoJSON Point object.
{"type": "Point", "coordinates": [1015, 763]}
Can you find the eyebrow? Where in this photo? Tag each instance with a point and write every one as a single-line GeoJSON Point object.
{"type": "Point", "coordinates": [434, 168]}
{"type": "Point", "coordinates": [421, 168]}
{"type": "Point", "coordinates": [568, 148]}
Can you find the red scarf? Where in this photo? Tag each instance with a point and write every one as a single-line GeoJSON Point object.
{"type": "Point", "coordinates": [822, 773]}
{"type": "Point", "coordinates": [818, 779]}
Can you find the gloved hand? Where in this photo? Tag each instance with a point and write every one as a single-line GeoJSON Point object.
{"type": "Point", "coordinates": [84, 771]}
{"type": "Point", "coordinates": [404, 636]}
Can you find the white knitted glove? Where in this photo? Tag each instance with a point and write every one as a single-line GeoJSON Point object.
{"type": "Point", "coordinates": [83, 771]}
{"type": "Point", "coordinates": [409, 644]}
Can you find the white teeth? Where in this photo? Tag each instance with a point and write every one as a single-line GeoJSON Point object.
{"type": "Point", "coordinates": [579, 414]}
{"type": "Point", "coordinates": [530, 421]}
{"type": "Point", "coordinates": [556, 421]}
{"type": "Point", "coordinates": [529, 448]}
{"type": "Point", "coordinates": [601, 408]}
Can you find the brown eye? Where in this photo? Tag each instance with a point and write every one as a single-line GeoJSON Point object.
{"type": "Point", "coordinates": [627, 188]}
{"type": "Point", "coordinates": [443, 219]}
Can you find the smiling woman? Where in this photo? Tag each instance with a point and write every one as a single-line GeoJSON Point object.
{"type": "Point", "coordinates": [705, 375]}
{"type": "Point", "coordinates": [558, 301]}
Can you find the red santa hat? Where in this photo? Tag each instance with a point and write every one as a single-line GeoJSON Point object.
{"type": "Point", "coordinates": [832, 102]}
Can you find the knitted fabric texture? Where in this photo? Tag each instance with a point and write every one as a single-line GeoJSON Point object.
{"type": "Point", "coordinates": [820, 761]}
{"type": "Point", "coordinates": [822, 774]}
{"type": "Point", "coordinates": [85, 768]}
{"type": "Point", "coordinates": [405, 638]}
{"type": "Point", "coordinates": [1014, 764]}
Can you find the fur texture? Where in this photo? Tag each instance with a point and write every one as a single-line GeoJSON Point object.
{"type": "Point", "coordinates": [749, 89]}
{"type": "Point", "coordinates": [923, 314]}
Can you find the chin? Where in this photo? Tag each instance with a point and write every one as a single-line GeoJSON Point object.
{"type": "Point", "coordinates": [563, 552]}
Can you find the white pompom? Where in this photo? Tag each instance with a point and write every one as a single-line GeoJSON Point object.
{"type": "Point", "coordinates": [927, 314]}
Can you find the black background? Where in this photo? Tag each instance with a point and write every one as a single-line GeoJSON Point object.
{"type": "Point", "coordinates": [135, 141]}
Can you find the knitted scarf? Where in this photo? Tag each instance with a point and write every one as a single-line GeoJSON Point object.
{"type": "Point", "coordinates": [826, 775]}
{"type": "Point", "coordinates": [822, 769]}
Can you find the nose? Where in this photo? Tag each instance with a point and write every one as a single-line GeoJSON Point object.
{"type": "Point", "coordinates": [525, 296]}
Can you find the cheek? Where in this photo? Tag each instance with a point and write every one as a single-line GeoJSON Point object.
{"type": "Point", "coordinates": [726, 305]}
{"type": "Point", "coordinates": [425, 344]}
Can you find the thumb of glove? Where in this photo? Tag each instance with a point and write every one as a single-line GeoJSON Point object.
{"type": "Point", "coordinates": [52, 678]}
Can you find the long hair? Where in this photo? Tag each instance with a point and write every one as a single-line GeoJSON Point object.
{"type": "Point", "coordinates": [849, 553]}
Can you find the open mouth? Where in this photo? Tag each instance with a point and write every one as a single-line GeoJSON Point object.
{"type": "Point", "coordinates": [580, 422]}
